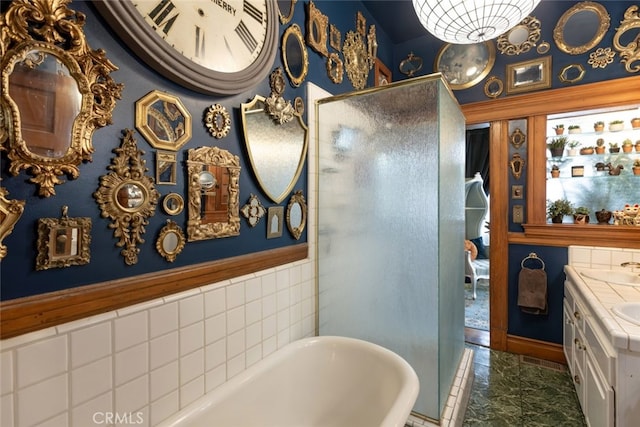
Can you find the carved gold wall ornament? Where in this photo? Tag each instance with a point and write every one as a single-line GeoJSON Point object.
{"type": "Point", "coordinates": [10, 213]}
{"type": "Point", "coordinates": [44, 49]}
{"type": "Point", "coordinates": [410, 65]}
{"type": "Point", "coordinates": [372, 46]}
{"type": "Point", "coordinates": [213, 202]}
{"type": "Point", "coordinates": [63, 242]}
{"type": "Point", "coordinates": [335, 37]}
{"type": "Point", "coordinates": [629, 53]}
{"type": "Point", "coordinates": [218, 121]}
{"type": "Point", "coordinates": [355, 59]}
{"type": "Point", "coordinates": [253, 210]}
{"type": "Point", "coordinates": [361, 24]}
{"type": "Point", "coordinates": [601, 57]}
{"type": "Point", "coordinates": [572, 73]}
{"type": "Point", "coordinates": [517, 138]}
{"type": "Point", "coordinates": [163, 120]}
{"type": "Point", "coordinates": [335, 68]}
{"type": "Point", "coordinates": [280, 110]}
{"type": "Point", "coordinates": [521, 38]}
{"type": "Point", "coordinates": [297, 214]}
{"type": "Point", "coordinates": [170, 241]}
{"type": "Point", "coordinates": [317, 24]}
{"type": "Point", "coordinates": [516, 165]}
{"type": "Point", "coordinates": [127, 196]}
{"type": "Point", "coordinates": [587, 18]}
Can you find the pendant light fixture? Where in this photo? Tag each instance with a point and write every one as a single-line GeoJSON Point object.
{"type": "Point", "coordinates": [471, 21]}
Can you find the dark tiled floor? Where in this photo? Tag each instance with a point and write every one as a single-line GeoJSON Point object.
{"type": "Point", "coordinates": [507, 392]}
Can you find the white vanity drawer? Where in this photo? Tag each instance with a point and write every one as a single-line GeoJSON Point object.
{"type": "Point", "coordinates": [601, 353]}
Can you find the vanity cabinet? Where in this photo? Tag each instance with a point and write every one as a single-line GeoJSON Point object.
{"type": "Point", "coordinates": [590, 359]}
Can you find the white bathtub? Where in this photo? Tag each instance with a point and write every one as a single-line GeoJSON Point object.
{"type": "Point", "coordinates": [319, 382]}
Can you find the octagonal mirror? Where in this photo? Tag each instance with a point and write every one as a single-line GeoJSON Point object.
{"type": "Point", "coordinates": [163, 120]}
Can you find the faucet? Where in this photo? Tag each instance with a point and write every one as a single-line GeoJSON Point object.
{"type": "Point", "coordinates": [630, 264]}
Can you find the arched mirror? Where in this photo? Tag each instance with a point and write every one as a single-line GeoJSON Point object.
{"type": "Point", "coordinates": [276, 138]}
{"type": "Point", "coordinates": [521, 38]}
{"type": "Point", "coordinates": [297, 214]}
{"type": "Point", "coordinates": [55, 92]}
{"type": "Point", "coordinates": [294, 55]}
{"type": "Point", "coordinates": [285, 10]}
{"type": "Point", "coordinates": [581, 27]}
{"type": "Point", "coordinates": [170, 241]}
{"type": "Point", "coordinates": [128, 197]}
{"type": "Point", "coordinates": [214, 177]}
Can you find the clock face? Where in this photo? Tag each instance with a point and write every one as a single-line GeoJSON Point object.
{"type": "Point", "coordinates": [211, 46]}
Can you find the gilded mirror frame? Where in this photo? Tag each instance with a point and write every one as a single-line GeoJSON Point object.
{"type": "Point", "coordinates": [294, 31]}
{"type": "Point", "coordinates": [275, 218]}
{"type": "Point", "coordinates": [356, 61]}
{"type": "Point", "coordinates": [565, 74]}
{"type": "Point", "coordinates": [317, 24]}
{"type": "Point", "coordinates": [198, 226]}
{"type": "Point", "coordinates": [28, 38]}
{"type": "Point", "coordinates": [465, 65]}
{"type": "Point", "coordinates": [164, 128]}
{"type": "Point", "coordinates": [166, 163]}
{"type": "Point", "coordinates": [170, 228]}
{"type": "Point", "coordinates": [127, 182]}
{"type": "Point", "coordinates": [297, 199]}
{"type": "Point", "coordinates": [286, 15]}
{"type": "Point", "coordinates": [561, 26]}
{"type": "Point", "coordinates": [217, 121]}
{"type": "Point", "coordinates": [335, 68]}
{"type": "Point", "coordinates": [173, 204]}
{"type": "Point", "coordinates": [10, 213]}
{"type": "Point", "coordinates": [56, 236]}
{"type": "Point", "coordinates": [629, 53]}
{"type": "Point", "coordinates": [532, 26]}
{"type": "Point", "coordinates": [493, 87]}
{"type": "Point", "coordinates": [253, 211]}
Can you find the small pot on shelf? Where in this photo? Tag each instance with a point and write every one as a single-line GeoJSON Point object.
{"type": "Point", "coordinates": [603, 216]}
{"type": "Point", "coordinates": [635, 123]}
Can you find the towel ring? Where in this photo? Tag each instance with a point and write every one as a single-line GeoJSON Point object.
{"type": "Point", "coordinates": [534, 257]}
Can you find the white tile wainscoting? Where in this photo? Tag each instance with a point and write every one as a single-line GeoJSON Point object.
{"type": "Point", "coordinates": [141, 364]}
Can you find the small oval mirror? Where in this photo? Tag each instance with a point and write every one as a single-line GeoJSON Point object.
{"type": "Point", "coordinates": [518, 34]}
{"type": "Point", "coordinates": [295, 215]}
{"type": "Point", "coordinates": [581, 27]}
{"type": "Point", "coordinates": [294, 55]}
{"type": "Point", "coordinates": [130, 196]}
{"type": "Point", "coordinates": [170, 242]}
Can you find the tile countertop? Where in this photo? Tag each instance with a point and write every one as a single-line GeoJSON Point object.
{"type": "Point", "coordinates": [600, 298]}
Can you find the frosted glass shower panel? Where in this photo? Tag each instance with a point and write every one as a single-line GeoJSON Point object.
{"type": "Point", "coordinates": [378, 222]}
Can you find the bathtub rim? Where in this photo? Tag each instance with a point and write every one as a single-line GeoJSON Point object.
{"type": "Point", "coordinates": [395, 417]}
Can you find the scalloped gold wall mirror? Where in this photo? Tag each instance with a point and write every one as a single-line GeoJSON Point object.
{"type": "Point", "coordinates": [285, 10]}
{"type": "Point", "coordinates": [63, 241]}
{"type": "Point", "coordinates": [214, 204]}
{"type": "Point", "coordinates": [521, 38]}
{"type": "Point", "coordinates": [297, 214]}
{"type": "Point", "coordinates": [128, 197]}
{"type": "Point", "coordinates": [10, 213]}
{"type": "Point", "coordinates": [581, 27]}
{"type": "Point", "coordinates": [48, 67]}
{"type": "Point", "coordinates": [163, 120]}
{"type": "Point", "coordinates": [170, 241]}
{"type": "Point", "coordinates": [294, 55]}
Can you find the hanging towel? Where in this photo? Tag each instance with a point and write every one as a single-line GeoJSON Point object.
{"type": "Point", "coordinates": [532, 290]}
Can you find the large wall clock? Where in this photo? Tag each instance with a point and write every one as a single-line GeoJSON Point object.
{"type": "Point", "coordinates": [212, 47]}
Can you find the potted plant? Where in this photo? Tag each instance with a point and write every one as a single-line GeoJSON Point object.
{"type": "Point", "coordinates": [614, 147]}
{"type": "Point", "coordinates": [627, 146]}
{"type": "Point", "coordinates": [556, 146]}
{"type": "Point", "coordinates": [557, 209]}
{"type": "Point", "coordinates": [555, 171]}
{"type": "Point", "coordinates": [559, 129]}
{"type": "Point", "coordinates": [598, 126]}
{"type": "Point", "coordinates": [581, 215]}
{"type": "Point", "coordinates": [586, 150]}
{"type": "Point", "coordinates": [600, 146]}
{"type": "Point", "coordinates": [638, 146]}
{"type": "Point", "coordinates": [636, 167]}
{"type": "Point", "coordinates": [603, 216]}
{"type": "Point", "coordinates": [616, 125]}
{"type": "Point", "coordinates": [574, 129]}
{"type": "Point", "coordinates": [573, 147]}
{"type": "Point", "coordinates": [635, 123]}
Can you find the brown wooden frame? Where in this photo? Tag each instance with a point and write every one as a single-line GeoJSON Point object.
{"type": "Point", "coordinates": [535, 107]}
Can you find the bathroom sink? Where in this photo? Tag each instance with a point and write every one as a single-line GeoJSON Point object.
{"type": "Point", "coordinates": [613, 276]}
{"type": "Point", "coordinates": [629, 311]}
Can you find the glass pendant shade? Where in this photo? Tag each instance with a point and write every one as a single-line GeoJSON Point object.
{"type": "Point", "coordinates": [471, 21]}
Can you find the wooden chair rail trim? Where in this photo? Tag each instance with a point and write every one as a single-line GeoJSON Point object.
{"type": "Point", "coordinates": [585, 235]}
{"type": "Point", "coordinates": [28, 314]}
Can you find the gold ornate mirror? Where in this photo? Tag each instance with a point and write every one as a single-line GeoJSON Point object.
{"type": "Point", "coordinates": [335, 68]}
{"type": "Point", "coordinates": [276, 141]}
{"type": "Point", "coordinates": [294, 55]}
{"type": "Point", "coordinates": [56, 91]}
{"type": "Point", "coordinates": [625, 40]}
{"type": "Point", "coordinates": [317, 29]}
{"type": "Point", "coordinates": [63, 242]}
{"type": "Point", "coordinates": [127, 196]}
{"type": "Point", "coordinates": [214, 177]}
{"type": "Point", "coordinates": [521, 38]}
{"type": "Point", "coordinates": [10, 213]}
{"type": "Point", "coordinates": [572, 73]}
{"type": "Point", "coordinates": [170, 241]}
{"type": "Point", "coordinates": [297, 214]}
{"type": "Point", "coordinates": [253, 210]}
{"type": "Point", "coordinates": [163, 120]}
{"type": "Point", "coordinates": [173, 204]}
{"type": "Point", "coordinates": [285, 10]}
{"type": "Point", "coordinates": [356, 61]}
{"type": "Point", "coordinates": [166, 167]}
{"type": "Point", "coordinates": [581, 27]}
{"type": "Point", "coordinates": [493, 87]}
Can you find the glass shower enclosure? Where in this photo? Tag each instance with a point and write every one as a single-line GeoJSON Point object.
{"type": "Point", "coordinates": [391, 226]}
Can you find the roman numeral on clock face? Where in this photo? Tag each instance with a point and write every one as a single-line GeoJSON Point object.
{"type": "Point", "coordinates": [162, 17]}
{"type": "Point", "coordinates": [200, 52]}
{"type": "Point", "coordinates": [253, 11]}
{"type": "Point", "coordinates": [247, 38]}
